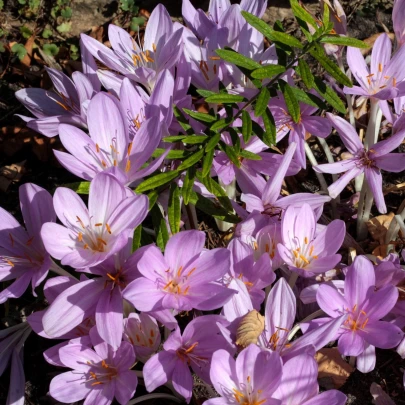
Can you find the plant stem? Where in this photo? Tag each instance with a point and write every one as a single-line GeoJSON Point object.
{"type": "Point", "coordinates": [369, 140]}
{"type": "Point", "coordinates": [349, 98]}
{"type": "Point", "coordinates": [394, 227]}
{"type": "Point", "coordinates": [230, 190]}
{"type": "Point", "coordinates": [293, 279]}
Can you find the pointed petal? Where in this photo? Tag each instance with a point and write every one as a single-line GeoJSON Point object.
{"type": "Point", "coordinates": [331, 300]}
{"type": "Point", "coordinates": [383, 335]}
{"type": "Point", "coordinates": [159, 369]}
{"type": "Point", "coordinates": [337, 187]}
{"type": "Point", "coordinates": [381, 53]}
{"type": "Point", "coordinates": [391, 162]}
{"type": "Point", "coordinates": [346, 132]}
{"type": "Point", "coordinates": [374, 181]}
{"type": "Point", "coordinates": [182, 380]}
{"type": "Point", "coordinates": [358, 66]}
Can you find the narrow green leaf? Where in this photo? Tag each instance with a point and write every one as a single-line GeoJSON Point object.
{"type": "Point", "coordinates": [205, 93]}
{"type": "Point", "coordinates": [305, 73]}
{"type": "Point", "coordinates": [246, 126]}
{"type": "Point", "coordinates": [80, 187]}
{"type": "Point", "coordinates": [303, 14]}
{"type": "Point", "coordinates": [188, 183]}
{"type": "Point", "coordinates": [153, 196]}
{"type": "Point", "coordinates": [182, 120]}
{"type": "Point", "coordinates": [237, 59]}
{"type": "Point", "coordinates": [308, 98]}
{"type": "Point", "coordinates": [156, 181]}
{"type": "Point", "coordinates": [269, 135]}
{"type": "Point", "coordinates": [224, 98]}
{"type": "Point", "coordinates": [213, 142]}
{"type": "Point", "coordinates": [290, 100]}
{"type": "Point", "coordinates": [268, 71]}
{"type": "Point", "coordinates": [329, 95]}
{"type": "Point", "coordinates": [249, 155]}
{"type": "Point", "coordinates": [136, 239]}
{"type": "Point", "coordinates": [231, 153]}
{"type": "Point", "coordinates": [214, 188]}
{"type": "Point", "coordinates": [174, 138]}
{"type": "Point", "coordinates": [159, 225]}
{"type": "Point", "coordinates": [173, 154]}
{"type": "Point", "coordinates": [331, 67]}
{"type": "Point", "coordinates": [207, 162]}
{"type": "Point", "coordinates": [222, 123]}
{"type": "Point", "coordinates": [326, 14]}
{"type": "Point", "coordinates": [202, 117]}
{"type": "Point", "coordinates": [344, 41]}
{"type": "Point", "coordinates": [193, 159]}
{"type": "Point", "coordinates": [195, 139]}
{"type": "Point", "coordinates": [262, 101]}
{"type": "Point", "coordinates": [174, 208]}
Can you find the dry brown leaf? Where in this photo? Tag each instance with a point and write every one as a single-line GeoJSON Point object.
{"type": "Point", "coordinates": [332, 366]}
{"type": "Point", "coordinates": [11, 173]}
{"type": "Point", "coordinates": [250, 328]}
{"type": "Point", "coordinates": [378, 227]}
{"type": "Point", "coordinates": [13, 138]}
{"type": "Point", "coordinates": [395, 187]}
{"type": "Point", "coordinates": [383, 251]}
{"type": "Point", "coordinates": [26, 61]}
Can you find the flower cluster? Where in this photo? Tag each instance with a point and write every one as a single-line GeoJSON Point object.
{"type": "Point", "coordinates": [127, 306]}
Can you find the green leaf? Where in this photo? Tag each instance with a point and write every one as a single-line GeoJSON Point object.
{"type": "Point", "coordinates": [202, 117]}
{"type": "Point", "coordinates": [156, 181]}
{"type": "Point", "coordinates": [64, 27]}
{"type": "Point", "coordinates": [269, 135]}
{"type": "Point", "coordinates": [305, 73]}
{"type": "Point", "coordinates": [25, 32]}
{"type": "Point", "coordinates": [224, 98]}
{"type": "Point", "coordinates": [159, 225]}
{"type": "Point", "coordinates": [231, 153]}
{"type": "Point", "coordinates": [222, 123]}
{"type": "Point", "coordinates": [153, 197]}
{"type": "Point", "coordinates": [129, 5]}
{"type": "Point", "coordinates": [246, 126]}
{"type": "Point", "coordinates": [271, 34]}
{"type": "Point", "coordinates": [205, 93]}
{"type": "Point", "coordinates": [174, 138]}
{"type": "Point", "coordinates": [50, 49]}
{"type": "Point", "coordinates": [195, 139]}
{"type": "Point", "coordinates": [207, 162]}
{"type": "Point", "coordinates": [66, 13]}
{"type": "Point", "coordinates": [192, 160]}
{"type": "Point", "coordinates": [136, 239]}
{"type": "Point", "coordinates": [173, 154]}
{"type": "Point", "coordinates": [308, 98]}
{"type": "Point", "coordinates": [268, 71]}
{"type": "Point", "coordinates": [19, 50]}
{"type": "Point", "coordinates": [174, 208]}
{"type": "Point", "coordinates": [136, 23]}
{"type": "Point", "coordinates": [2, 48]}
{"type": "Point", "coordinates": [80, 187]}
{"type": "Point", "coordinates": [213, 142]}
{"type": "Point", "coordinates": [249, 155]}
{"type": "Point", "coordinates": [331, 67]}
{"type": "Point", "coordinates": [329, 95]}
{"type": "Point", "coordinates": [182, 120]}
{"type": "Point", "coordinates": [188, 184]}
{"type": "Point", "coordinates": [262, 101]}
{"type": "Point", "coordinates": [238, 59]}
{"type": "Point", "coordinates": [290, 100]}
{"type": "Point", "coordinates": [214, 188]}
{"type": "Point", "coordinates": [46, 33]}
{"type": "Point", "coordinates": [344, 41]}
{"type": "Point", "coordinates": [302, 14]}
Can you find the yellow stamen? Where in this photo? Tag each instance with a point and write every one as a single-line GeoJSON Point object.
{"type": "Point", "coordinates": [129, 148]}
{"type": "Point", "coordinates": [97, 148]}
{"type": "Point", "coordinates": [380, 67]}
{"type": "Point", "coordinates": [191, 348]}
{"type": "Point", "coordinates": [128, 166]}
{"type": "Point", "coordinates": [80, 237]}
{"type": "Point", "coordinates": [108, 228]}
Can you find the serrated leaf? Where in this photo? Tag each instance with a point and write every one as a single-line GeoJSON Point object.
{"type": "Point", "coordinates": [66, 13]}
{"type": "Point", "coordinates": [302, 14]}
{"type": "Point", "coordinates": [192, 160]}
{"type": "Point", "coordinates": [174, 208]}
{"type": "Point", "coordinates": [159, 225]}
{"type": "Point", "coordinates": [80, 187]}
{"type": "Point", "coordinates": [291, 101]}
{"type": "Point", "coordinates": [224, 98]}
{"type": "Point", "coordinates": [202, 117]}
{"type": "Point", "coordinates": [246, 126]}
{"type": "Point", "coordinates": [329, 95]}
{"type": "Point", "coordinates": [269, 135]}
{"type": "Point", "coordinates": [156, 181]}
{"type": "Point", "coordinates": [330, 66]}
{"type": "Point", "coordinates": [19, 50]}
{"type": "Point", "coordinates": [25, 32]}
{"type": "Point", "coordinates": [50, 49]}
{"type": "Point", "coordinates": [268, 71]}
{"type": "Point", "coordinates": [238, 59]}
{"type": "Point", "coordinates": [207, 162]}
{"type": "Point", "coordinates": [249, 155]}
{"type": "Point", "coordinates": [262, 101]}
{"type": "Point", "coordinates": [188, 183]}
{"type": "Point", "coordinates": [213, 142]}
{"type": "Point", "coordinates": [136, 23]}
{"type": "Point", "coordinates": [343, 41]}
{"type": "Point", "coordinates": [305, 73]}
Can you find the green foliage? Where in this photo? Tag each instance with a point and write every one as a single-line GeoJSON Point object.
{"type": "Point", "coordinates": [136, 23]}
{"type": "Point", "coordinates": [64, 27]}
{"type": "Point", "coordinates": [80, 187]}
{"type": "Point", "coordinates": [51, 49]}
{"type": "Point", "coordinates": [129, 5]}
{"type": "Point", "coordinates": [47, 33]}
{"type": "Point", "coordinates": [74, 52]}
{"type": "Point", "coordinates": [25, 32]}
{"type": "Point", "coordinates": [19, 50]}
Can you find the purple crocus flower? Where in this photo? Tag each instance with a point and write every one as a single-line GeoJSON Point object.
{"type": "Point", "coordinates": [398, 21]}
{"type": "Point", "coordinates": [186, 277]}
{"type": "Point", "coordinates": [318, 126]}
{"type": "Point", "coordinates": [305, 250]}
{"type": "Point", "coordinates": [388, 271]}
{"type": "Point", "coordinates": [299, 385]}
{"type": "Point", "coordinates": [363, 307]}
{"type": "Point", "coordinates": [89, 236]}
{"type": "Point", "coordinates": [110, 147]}
{"type": "Point", "coordinates": [383, 80]}
{"type": "Point", "coordinates": [162, 48]}
{"type": "Point", "coordinates": [98, 375]}
{"type": "Point", "coordinates": [251, 379]}
{"type": "Point", "coordinates": [23, 257]}
{"type": "Point", "coordinates": [66, 104]}
{"type": "Point", "coordinates": [200, 340]}
{"type": "Point", "coordinates": [143, 332]}
{"type": "Point", "coordinates": [364, 161]}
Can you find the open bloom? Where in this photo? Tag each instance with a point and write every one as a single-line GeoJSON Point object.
{"type": "Point", "coordinates": [115, 144]}
{"type": "Point", "coordinates": [364, 161]}
{"type": "Point", "coordinates": [383, 80]}
{"type": "Point", "coordinates": [304, 249]}
{"type": "Point", "coordinates": [89, 236]}
{"type": "Point", "coordinates": [66, 104]}
{"type": "Point", "coordinates": [23, 257]}
{"type": "Point", "coordinates": [194, 348]}
{"type": "Point", "coordinates": [183, 279]}
{"type": "Point", "coordinates": [162, 47]}
{"type": "Point", "coordinates": [98, 375]}
{"type": "Point", "coordinates": [252, 379]}
{"type": "Point", "coordinates": [363, 307]}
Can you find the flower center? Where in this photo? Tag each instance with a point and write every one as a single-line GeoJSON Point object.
{"type": "Point", "coordinates": [357, 320]}
{"type": "Point", "coordinates": [96, 238]}
{"type": "Point", "coordinates": [304, 254]}
{"type": "Point", "coordinates": [246, 395]}
{"type": "Point", "coordinates": [177, 283]}
{"type": "Point", "coordinates": [101, 373]}
{"type": "Point", "coordinates": [366, 158]}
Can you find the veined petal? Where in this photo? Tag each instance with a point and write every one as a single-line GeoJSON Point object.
{"type": "Point", "coordinates": [159, 369]}
{"type": "Point", "coordinates": [331, 300]}
{"type": "Point", "coordinates": [75, 166]}
{"type": "Point", "coordinates": [391, 162]}
{"type": "Point", "coordinates": [374, 181]}
{"type": "Point", "coordinates": [383, 335]}
{"type": "Point", "coordinates": [144, 295]}
{"type": "Point", "coordinates": [68, 387]}
{"type": "Point", "coordinates": [337, 187]}
{"type": "Point", "coordinates": [381, 53]}
{"type": "Point", "coordinates": [358, 66]}
{"type": "Point", "coordinates": [159, 28]}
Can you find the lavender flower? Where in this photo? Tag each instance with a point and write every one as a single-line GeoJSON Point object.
{"type": "Point", "coordinates": [305, 250]}
{"type": "Point", "coordinates": [23, 257]}
{"type": "Point", "coordinates": [362, 330]}
{"type": "Point", "coordinates": [368, 161]}
{"type": "Point", "coordinates": [67, 104]}
{"type": "Point", "coordinates": [398, 20]}
{"type": "Point", "coordinates": [183, 279]}
{"type": "Point", "coordinates": [200, 340]}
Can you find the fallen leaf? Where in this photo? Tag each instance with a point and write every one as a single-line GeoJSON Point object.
{"type": "Point", "coordinates": [331, 366]}
{"type": "Point", "coordinates": [379, 396]}
{"type": "Point", "coordinates": [250, 328]}
{"type": "Point", "coordinates": [26, 61]}
{"type": "Point", "coordinates": [378, 227]}
{"type": "Point", "coordinates": [10, 174]}
{"type": "Point", "coordinates": [383, 251]}
{"type": "Point", "coordinates": [395, 187]}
